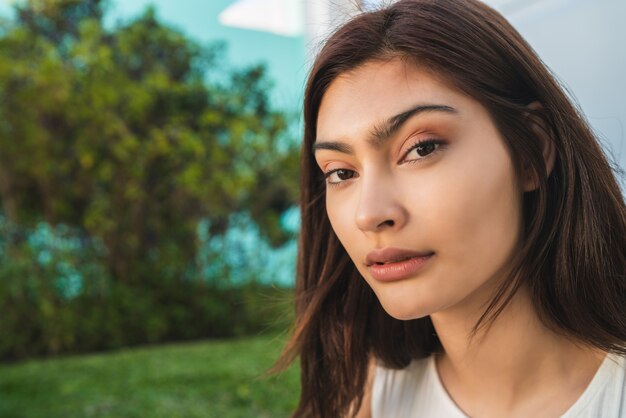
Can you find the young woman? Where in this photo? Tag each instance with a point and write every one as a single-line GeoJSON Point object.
{"type": "Point", "coordinates": [463, 242]}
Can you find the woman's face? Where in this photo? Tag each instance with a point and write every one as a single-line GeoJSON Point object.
{"type": "Point", "coordinates": [421, 189]}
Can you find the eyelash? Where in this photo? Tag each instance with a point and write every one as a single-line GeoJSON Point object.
{"type": "Point", "coordinates": [330, 173]}
{"type": "Point", "coordinates": [438, 143]}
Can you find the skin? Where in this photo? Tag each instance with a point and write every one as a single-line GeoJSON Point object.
{"type": "Point", "coordinates": [455, 195]}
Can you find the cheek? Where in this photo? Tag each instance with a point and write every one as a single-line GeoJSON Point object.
{"type": "Point", "coordinates": [338, 214]}
{"type": "Point", "coordinates": [475, 212]}
{"type": "Point", "coordinates": [341, 209]}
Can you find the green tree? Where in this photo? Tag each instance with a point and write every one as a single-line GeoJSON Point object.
{"type": "Point", "coordinates": [120, 132]}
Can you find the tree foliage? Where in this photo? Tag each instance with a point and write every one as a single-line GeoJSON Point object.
{"type": "Point", "coordinates": [124, 153]}
{"type": "Point", "coordinates": [120, 133]}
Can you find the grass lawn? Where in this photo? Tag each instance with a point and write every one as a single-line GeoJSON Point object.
{"type": "Point", "coordinates": [200, 379]}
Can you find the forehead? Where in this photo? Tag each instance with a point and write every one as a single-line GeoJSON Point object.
{"type": "Point", "coordinates": [377, 90]}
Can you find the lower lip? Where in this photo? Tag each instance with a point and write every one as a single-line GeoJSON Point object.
{"type": "Point", "coordinates": [398, 271]}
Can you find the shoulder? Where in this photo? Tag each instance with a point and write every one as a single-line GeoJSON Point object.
{"type": "Point", "coordinates": [413, 375]}
{"type": "Point", "coordinates": [613, 394]}
{"type": "Point", "coordinates": [414, 391]}
{"type": "Point", "coordinates": [365, 411]}
{"type": "Point", "coordinates": [383, 386]}
{"type": "Point", "coordinates": [611, 378]}
{"type": "Point", "coordinates": [394, 390]}
{"type": "Point", "coordinates": [606, 394]}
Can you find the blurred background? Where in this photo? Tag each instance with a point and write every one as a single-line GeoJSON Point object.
{"type": "Point", "coordinates": [149, 184]}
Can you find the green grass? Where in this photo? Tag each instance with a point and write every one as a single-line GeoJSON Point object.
{"type": "Point", "coordinates": [201, 379]}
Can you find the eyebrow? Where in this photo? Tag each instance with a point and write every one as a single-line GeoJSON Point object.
{"type": "Point", "coordinates": [382, 132]}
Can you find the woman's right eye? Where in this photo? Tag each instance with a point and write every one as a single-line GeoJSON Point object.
{"type": "Point", "coordinates": [338, 176]}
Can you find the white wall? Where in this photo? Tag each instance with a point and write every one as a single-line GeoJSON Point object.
{"type": "Point", "coordinates": [584, 44]}
{"type": "Point", "coordinates": [322, 17]}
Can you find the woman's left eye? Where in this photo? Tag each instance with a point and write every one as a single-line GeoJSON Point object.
{"type": "Point", "coordinates": [422, 150]}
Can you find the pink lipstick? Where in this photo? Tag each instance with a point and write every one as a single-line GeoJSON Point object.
{"type": "Point", "coordinates": [391, 264]}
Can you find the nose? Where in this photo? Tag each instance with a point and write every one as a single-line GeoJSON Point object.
{"type": "Point", "coordinates": [379, 207]}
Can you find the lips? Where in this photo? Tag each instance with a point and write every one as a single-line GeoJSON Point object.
{"type": "Point", "coordinates": [392, 264]}
{"type": "Point", "coordinates": [393, 255]}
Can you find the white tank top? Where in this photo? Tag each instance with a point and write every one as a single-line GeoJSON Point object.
{"type": "Point", "coordinates": [417, 392]}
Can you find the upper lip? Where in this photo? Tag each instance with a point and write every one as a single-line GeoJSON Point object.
{"type": "Point", "coordinates": [390, 254]}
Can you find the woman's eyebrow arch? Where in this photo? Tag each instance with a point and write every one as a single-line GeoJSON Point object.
{"type": "Point", "coordinates": [381, 133]}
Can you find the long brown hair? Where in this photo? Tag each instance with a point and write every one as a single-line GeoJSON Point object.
{"type": "Point", "coordinates": [573, 250]}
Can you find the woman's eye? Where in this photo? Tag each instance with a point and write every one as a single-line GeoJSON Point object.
{"type": "Point", "coordinates": [339, 176]}
{"type": "Point", "coordinates": [422, 150]}
{"type": "Point", "coordinates": [425, 149]}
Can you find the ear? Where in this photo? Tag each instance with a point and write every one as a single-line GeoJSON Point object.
{"type": "Point", "coordinates": [543, 133]}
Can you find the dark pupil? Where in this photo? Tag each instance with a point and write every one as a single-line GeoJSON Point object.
{"type": "Point", "coordinates": [425, 149]}
{"type": "Point", "coordinates": [344, 174]}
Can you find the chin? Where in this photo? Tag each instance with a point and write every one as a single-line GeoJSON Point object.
{"type": "Point", "coordinates": [404, 312]}
{"type": "Point", "coordinates": [405, 301]}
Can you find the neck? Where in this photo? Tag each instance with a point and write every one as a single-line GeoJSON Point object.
{"type": "Point", "coordinates": [514, 359]}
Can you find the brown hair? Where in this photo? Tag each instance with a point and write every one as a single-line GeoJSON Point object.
{"type": "Point", "coordinates": [573, 249]}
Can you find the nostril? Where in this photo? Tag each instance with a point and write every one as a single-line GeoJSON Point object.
{"type": "Point", "coordinates": [388, 222]}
